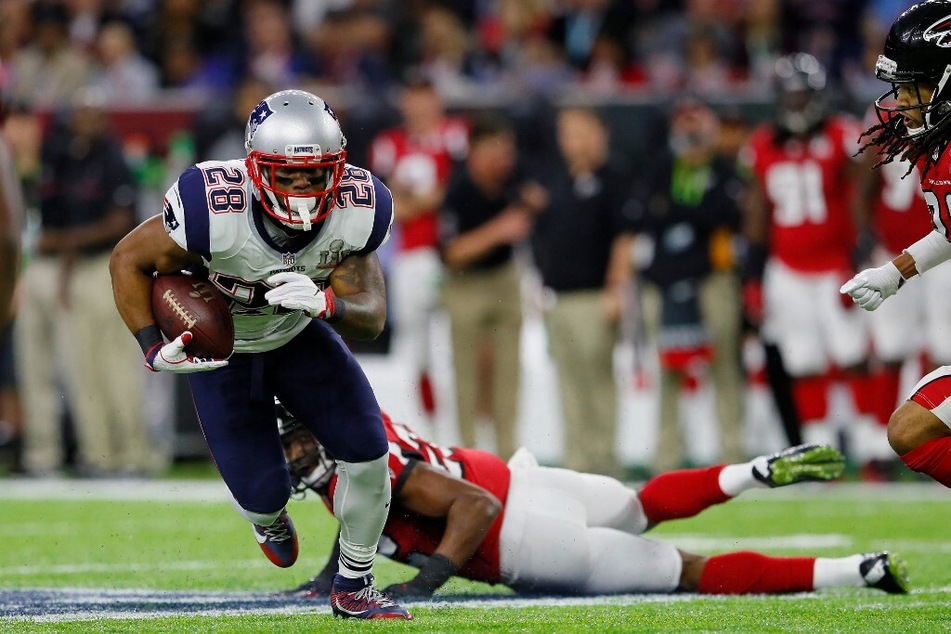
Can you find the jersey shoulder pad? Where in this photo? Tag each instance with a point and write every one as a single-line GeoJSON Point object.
{"type": "Point", "coordinates": [207, 191]}
{"type": "Point", "coordinates": [365, 210]}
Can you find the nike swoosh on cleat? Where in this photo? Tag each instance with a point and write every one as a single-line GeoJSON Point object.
{"type": "Point", "coordinates": [261, 538]}
{"type": "Point", "coordinates": [346, 611]}
{"type": "Point", "coordinates": [876, 573]}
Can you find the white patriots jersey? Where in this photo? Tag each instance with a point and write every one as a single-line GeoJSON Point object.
{"type": "Point", "coordinates": [208, 211]}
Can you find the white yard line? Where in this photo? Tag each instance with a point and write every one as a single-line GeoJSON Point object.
{"type": "Point", "coordinates": [79, 569]}
{"type": "Point", "coordinates": [114, 489]}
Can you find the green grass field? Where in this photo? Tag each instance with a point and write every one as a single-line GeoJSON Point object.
{"type": "Point", "coordinates": [106, 557]}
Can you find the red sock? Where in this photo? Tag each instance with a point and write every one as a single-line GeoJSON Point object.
{"type": "Point", "coordinates": [753, 573]}
{"type": "Point", "coordinates": [683, 493]}
{"type": "Point", "coordinates": [933, 458]}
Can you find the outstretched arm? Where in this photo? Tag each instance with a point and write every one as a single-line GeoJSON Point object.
{"type": "Point", "coordinates": [469, 512]}
{"type": "Point", "coordinates": [871, 287]}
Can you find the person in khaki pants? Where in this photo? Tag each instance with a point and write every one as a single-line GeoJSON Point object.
{"type": "Point", "coordinates": [65, 335]}
{"type": "Point", "coordinates": [488, 210]}
{"type": "Point", "coordinates": [581, 245]}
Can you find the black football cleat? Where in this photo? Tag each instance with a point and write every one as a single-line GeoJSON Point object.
{"type": "Point", "coordinates": [360, 599]}
{"type": "Point", "coordinates": [885, 571]}
{"type": "Point", "coordinates": [802, 463]}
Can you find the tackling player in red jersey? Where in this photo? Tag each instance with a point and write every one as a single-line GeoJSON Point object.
{"type": "Point", "coordinates": [801, 234]}
{"type": "Point", "coordinates": [537, 529]}
{"type": "Point", "coordinates": [915, 126]}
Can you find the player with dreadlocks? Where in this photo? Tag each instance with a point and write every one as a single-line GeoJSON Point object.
{"type": "Point", "coordinates": [913, 121]}
{"type": "Point", "coordinates": [916, 126]}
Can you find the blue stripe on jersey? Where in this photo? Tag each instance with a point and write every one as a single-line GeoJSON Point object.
{"type": "Point", "coordinates": [382, 218]}
{"type": "Point", "coordinates": [191, 187]}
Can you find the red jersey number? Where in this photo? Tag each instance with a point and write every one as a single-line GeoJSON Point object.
{"type": "Point", "coordinates": [940, 214]}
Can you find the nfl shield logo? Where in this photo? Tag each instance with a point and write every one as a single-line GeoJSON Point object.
{"type": "Point", "coordinates": [288, 259]}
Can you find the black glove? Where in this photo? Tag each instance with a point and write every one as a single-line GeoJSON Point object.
{"type": "Point", "coordinates": [431, 577]}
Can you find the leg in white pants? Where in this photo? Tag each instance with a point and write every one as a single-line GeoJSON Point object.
{"type": "Point", "coordinates": [578, 533]}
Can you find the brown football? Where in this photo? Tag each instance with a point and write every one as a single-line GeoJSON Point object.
{"type": "Point", "coordinates": [183, 302]}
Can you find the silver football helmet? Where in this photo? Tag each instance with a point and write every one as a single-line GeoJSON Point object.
{"type": "Point", "coordinates": [296, 157]}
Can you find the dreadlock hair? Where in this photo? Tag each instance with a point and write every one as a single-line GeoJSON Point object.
{"type": "Point", "coordinates": [890, 141]}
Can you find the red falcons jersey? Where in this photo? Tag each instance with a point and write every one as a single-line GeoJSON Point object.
{"type": "Point", "coordinates": [809, 193]}
{"type": "Point", "coordinates": [420, 164]}
{"type": "Point", "coordinates": [936, 188]}
{"type": "Point", "coordinates": [900, 216]}
{"type": "Point", "coordinates": [409, 537]}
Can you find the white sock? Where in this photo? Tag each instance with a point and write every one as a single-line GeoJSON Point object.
{"type": "Point", "coordinates": [841, 571]}
{"type": "Point", "coordinates": [736, 478]}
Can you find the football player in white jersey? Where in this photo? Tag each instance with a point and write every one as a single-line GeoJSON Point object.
{"type": "Point", "coordinates": [289, 235]}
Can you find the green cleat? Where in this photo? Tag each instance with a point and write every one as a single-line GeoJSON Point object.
{"type": "Point", "coordinates": [885, 571]}
{"type": "Point", "coordinates": [802, 463]}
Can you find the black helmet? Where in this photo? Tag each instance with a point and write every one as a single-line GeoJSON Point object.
{"type": "Point", "coordinates": [799, 81]}
{"type": "Point", "coordinates": [918, 51]}
{"type": "Point", "coordinates": [313, 467]}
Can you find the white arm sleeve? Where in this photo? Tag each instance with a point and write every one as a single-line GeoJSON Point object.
{"type": "Point", "coordinates": [930, 251]}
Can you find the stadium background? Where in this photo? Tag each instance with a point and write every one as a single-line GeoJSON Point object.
{"type": "Point", "coordinates": [637, 123]}
{"type": "Point", "coordinates": [658, 51]}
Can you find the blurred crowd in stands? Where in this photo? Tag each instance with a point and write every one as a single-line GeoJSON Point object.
{"type": "Point", "coordinates": [131, 49]}
{"type": "Point", "coordinates": [165, 83]}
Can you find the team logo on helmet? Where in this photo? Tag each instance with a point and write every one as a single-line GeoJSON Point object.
{"type": "Point", "coordinates": [939, 33]}
{"type": "Point", "coordinates": [303, 150]}
{"type": "Point", "coordinates": [261, 112]}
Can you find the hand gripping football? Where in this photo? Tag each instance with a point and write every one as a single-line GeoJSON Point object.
{"type": "Point", "coordinates": [183, 302]}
